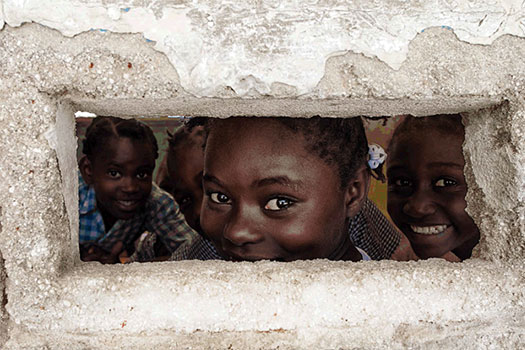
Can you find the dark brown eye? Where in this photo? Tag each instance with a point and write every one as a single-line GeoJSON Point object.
{"type": "Point", "coordinates": [402, 182]}
{"type": "Point", "coordinates": [219, 198]}
{"type": "Point", "coordinates": [443, 182]}
{"type": "Point", "coordinates": [279, 203]}
{"type": "Point", "coordinates": [113, 174]}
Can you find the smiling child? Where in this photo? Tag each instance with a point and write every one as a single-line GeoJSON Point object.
{"type": "Point", "coordinates": [427, 187]}
{"type": "Point", "coordinates": [285, 188]}
{"type": "Point", "coordinates": [117, 200]}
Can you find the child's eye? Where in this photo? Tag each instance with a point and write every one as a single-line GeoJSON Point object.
{"type": "Point", "coordinates": [219, 198]}
{"type": "Point", "coordinates": [402, 182]}
{"type": "Point", "coordinates": [445, 182]}
{"type": "Point", "coordinates": [278, 203]}
{"type": "Point", "coordinates": [114, 174]}
{"type": "Point", "coordinates": [143, 175]}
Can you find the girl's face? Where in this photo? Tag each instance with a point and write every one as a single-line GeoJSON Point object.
{"type": "Point", "coordinates": [121, 176]}
{"type": "Point", "coordinates": [266, 197]}
{"type": "Point", "coordinates": [426, 194]}
{"type": "Point", "coordinates": [185, 169]}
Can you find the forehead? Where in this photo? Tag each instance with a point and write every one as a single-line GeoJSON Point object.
{"type": "Point", "coordinates": [260, 143]}
{"type": "Point", "coordinates": [262, 135]}
{"type": "Point", "coordinates": [426, 146]}
{"type": "Point", "coordinates": [123, 149]}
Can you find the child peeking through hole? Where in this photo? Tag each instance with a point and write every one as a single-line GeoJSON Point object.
{"type": "Point", "coordinates": [427, 187]}
{"type": "Point", "coordinates": [284, 189]}
{"type": "Point", "coordinates": [118, 203]}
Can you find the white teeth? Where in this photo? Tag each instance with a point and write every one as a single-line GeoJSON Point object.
{"type": "Point", "coordinates": [127, 203]}
{"type": "Point", "coordinates": [429, 230]}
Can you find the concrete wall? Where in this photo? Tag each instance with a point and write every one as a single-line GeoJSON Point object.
{"type": "Point", "coordinates": [257, 58]}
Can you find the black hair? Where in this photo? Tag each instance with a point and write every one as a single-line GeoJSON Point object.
{"type": "Point", "coordinates": [339, 142]}
{"type": "Point", "coordinates": [189, 133]}
{"type": "Point", "coordinates": [444, 123]}
{"type": "Point", "coordinates": [103, 128]}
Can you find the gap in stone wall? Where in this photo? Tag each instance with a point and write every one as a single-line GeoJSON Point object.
{"type": "Point", "coordinates": [378, 127]}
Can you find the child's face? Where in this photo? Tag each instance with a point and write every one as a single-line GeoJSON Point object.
{"type": "Point", "coordinates": [426, 193]}
{"type": "Point", "coordinates": [266, 197]}
{"type": "Point", "coordinates": [121, 176]}
{"type": "Point", "coordinates": [185, 169]}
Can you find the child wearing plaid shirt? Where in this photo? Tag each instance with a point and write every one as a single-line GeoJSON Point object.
{"type": "Point", "coordinates": [118, 202]}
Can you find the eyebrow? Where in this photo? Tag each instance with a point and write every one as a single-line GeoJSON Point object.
{"type": "Point", "coordinates": [211, 178]}
{"type": "Point", "coordinates": [279, 180]}
{"type": "Point", "coordinates": [445, 164]}
{"type": "Point", "coordinates": [113, 164]}
{"type": "Point", "coordinates": [267, 181]}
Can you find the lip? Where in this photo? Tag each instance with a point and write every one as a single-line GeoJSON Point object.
{"type": "Point", "coordinates": [128, 204]}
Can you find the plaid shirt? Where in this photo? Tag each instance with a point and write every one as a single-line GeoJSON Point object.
{"type": "Point", "coordinates": [199, 249]}
{"type": "Point", "coordinates": [372, 234]}
{"type": "Point", "coordinates": [161, 216]}
{"type": "Point", "coordinates": [371, 231]}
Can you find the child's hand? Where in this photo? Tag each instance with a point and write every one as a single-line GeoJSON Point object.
{"type": "Point", "coordinates": [95, 253]}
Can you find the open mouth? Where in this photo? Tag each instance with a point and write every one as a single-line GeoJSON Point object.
{"type": "Point", "coordinates": [429, 230]}
{"type": "Point", "coordinates": [128, 205]}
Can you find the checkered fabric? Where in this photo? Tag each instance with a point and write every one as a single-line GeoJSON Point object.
{"type": "Point", "coordinates": [199, 249]}
{"type": "Point", "coordinates": [161, 216]}
{"type": "Point", "coordinates": [371, 231]}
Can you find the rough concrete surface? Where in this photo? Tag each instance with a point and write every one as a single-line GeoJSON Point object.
{"type": "Point", "coordinates": [254, 47]}
{"type": "Point", "coordinates": [56, 302]}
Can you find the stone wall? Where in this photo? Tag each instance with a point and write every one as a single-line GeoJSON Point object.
{"type": "Point", "coordinates": [329, 58]}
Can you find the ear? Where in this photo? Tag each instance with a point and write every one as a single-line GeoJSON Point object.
{"type": "Point", "coordinates": [357, 191]}
{"type": "Point", "coordinates": [86, 170]}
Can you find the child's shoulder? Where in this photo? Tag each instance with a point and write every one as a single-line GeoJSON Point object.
{"type": "Point", "coordinates": [159, 197]}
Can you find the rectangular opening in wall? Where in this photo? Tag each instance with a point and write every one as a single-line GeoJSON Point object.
{"type": "Point", "coordinates": [273, 188]}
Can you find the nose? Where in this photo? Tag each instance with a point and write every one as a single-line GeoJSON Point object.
{"type": "Point", "coordinates": [242, 228]}
{"type": "Point", "coordinates": [419, 204]}
{"type": "Point", "coordinates": [130, 184]}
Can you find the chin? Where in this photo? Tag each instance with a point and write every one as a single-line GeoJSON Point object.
{"type": "Point", "coordinates": [427, 253]}
{"type": "Point", "coordinates": [126, 215]}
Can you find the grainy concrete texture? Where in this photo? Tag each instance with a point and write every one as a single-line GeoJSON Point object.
{"type": "Point", "coordinates": [261, 58]}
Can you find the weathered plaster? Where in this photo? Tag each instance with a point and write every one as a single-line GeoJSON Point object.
{"type": "Point", "coordinates": [254, 47]}
{"type": "Point", "coordinates": [56, 302]}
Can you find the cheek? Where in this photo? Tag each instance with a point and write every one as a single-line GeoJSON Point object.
{"type": "Point", "coordinates": [318, 234]}
{"type": "Point", "coordinates": [212, 223]}
{"type": "Point", "coordinates": [455, 207]}
{"type": "Point", "coordinates": [395, 206]}
{"type": "Point", "coordinates": [461, 218]}
{"type": "Point", "coordinates": [104, 189]}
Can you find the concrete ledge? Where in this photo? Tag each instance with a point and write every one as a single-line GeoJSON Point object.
{"type": "Point", "coordinates": [302, 304]}
{"type": "Point", "coordinates": [287, 107]}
